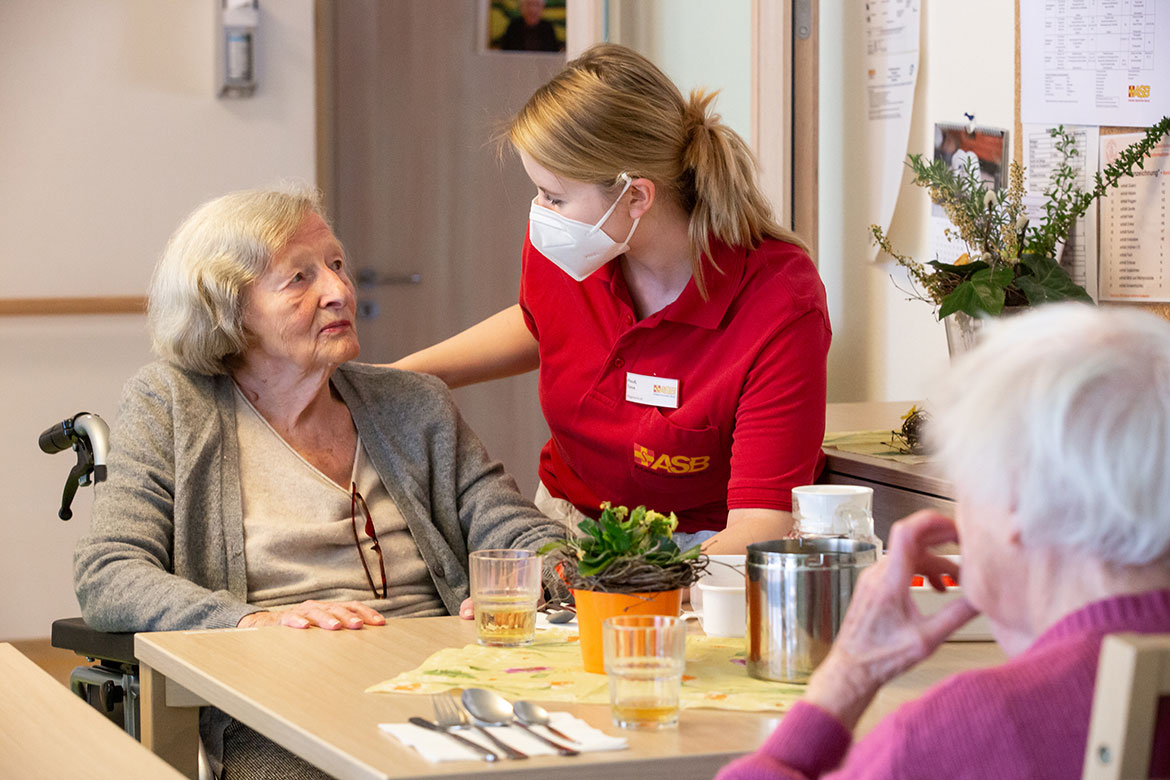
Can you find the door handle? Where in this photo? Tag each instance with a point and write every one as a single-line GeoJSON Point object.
{"type": "Point", "coordinates": [371, 277]}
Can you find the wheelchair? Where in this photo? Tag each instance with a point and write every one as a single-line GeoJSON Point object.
{"type": "Point", "coordinates": [110, 684]}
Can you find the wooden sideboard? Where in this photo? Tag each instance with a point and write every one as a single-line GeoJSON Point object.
{"type": "Point", "coordinates": [898, 488]}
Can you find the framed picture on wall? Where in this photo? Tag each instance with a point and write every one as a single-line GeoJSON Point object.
{"type": "Point", "coordinates": [532, 26]}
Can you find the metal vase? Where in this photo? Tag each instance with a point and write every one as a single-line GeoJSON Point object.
{"type": "Point", "coordinates": [797, 594]}
{"type": "Point", "coordinates": [962, 333]}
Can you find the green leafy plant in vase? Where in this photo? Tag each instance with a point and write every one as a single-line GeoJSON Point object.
{"type": "Point", "coordinates": [625, 562]}
{"type": "Point", "coordinates": [1010, 260]}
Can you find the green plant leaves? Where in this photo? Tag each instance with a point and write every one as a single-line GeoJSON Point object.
{"type": "Point", "coordinates": [614, 533]}
{"type": "Point", "coordinates": [1048, 282]}
{"type": "Point", "coordinates": [983, 293]}
{"type": "Point", "coordinates": [619, 534]}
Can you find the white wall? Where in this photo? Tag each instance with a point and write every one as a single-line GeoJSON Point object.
{"type": "Point", "coordinates": [885, 347]}
{"type": "Point", "coordinates": [110, 132]}
{"type": "Point", "coordinates": [697, 43]}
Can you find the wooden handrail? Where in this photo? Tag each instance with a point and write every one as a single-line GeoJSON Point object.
{"type": "Point", "coordinates": [114, 304]}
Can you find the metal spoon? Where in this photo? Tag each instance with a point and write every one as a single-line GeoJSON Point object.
{"type": "Point", "coordinates": [479, 724]}
{"type": "Point", "coordinates": [563, 616]}
{"type": "Point", "coordinates": [532, 714]}
{"type": "Point", "coordinates": [493, 709]}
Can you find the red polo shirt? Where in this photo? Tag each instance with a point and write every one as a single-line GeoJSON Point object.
{"type": "Point", "coordinates": [750, 363]}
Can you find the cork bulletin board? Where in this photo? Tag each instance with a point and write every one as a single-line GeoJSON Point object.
{"type": "Point", "coordinates": [1162, 309]}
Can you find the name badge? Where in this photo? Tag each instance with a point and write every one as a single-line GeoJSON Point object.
{"type": "Point", "coordinates": [651, 390]}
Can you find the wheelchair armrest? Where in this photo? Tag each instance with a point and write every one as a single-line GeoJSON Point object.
{"type": "Point", "coordinates": [74, 634]}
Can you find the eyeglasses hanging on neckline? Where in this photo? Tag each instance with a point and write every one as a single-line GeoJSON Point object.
{"type": "Point", "coordinates": [354, 499]}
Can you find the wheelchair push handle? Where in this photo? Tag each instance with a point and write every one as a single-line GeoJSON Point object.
{"type": "Point", "coordinates": [56, 439]}
{"type": "Point", "coordinates": [89, 436]}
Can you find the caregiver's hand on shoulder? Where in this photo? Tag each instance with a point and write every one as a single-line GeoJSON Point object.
{"type": "Point", "coordinates": [331, 615]}
{"type": "Point", "coordinates": [883, 633]}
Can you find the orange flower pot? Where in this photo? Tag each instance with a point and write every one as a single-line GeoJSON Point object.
{"type": "Point", "coordinates": [594, 607]}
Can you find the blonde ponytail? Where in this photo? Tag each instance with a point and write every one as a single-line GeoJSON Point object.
{"type": "Point", "coordinates": [728, 203]}
{"type": "Point", "coordinates": [611, 111]}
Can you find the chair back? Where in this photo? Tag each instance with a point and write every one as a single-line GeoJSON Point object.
{"type": "Point", "coordinates": [1133, 675]}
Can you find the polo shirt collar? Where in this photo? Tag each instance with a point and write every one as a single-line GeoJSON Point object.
{"type": "Point", "coordinates": [690, 308]}
{"type": "Point", "coordinates": [722, 287]}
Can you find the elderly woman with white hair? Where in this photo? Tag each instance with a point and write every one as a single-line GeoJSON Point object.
{"type": "Point", "coordinates": [258, 476]}
{"type": "Point", "coordinates": [1056, 435]}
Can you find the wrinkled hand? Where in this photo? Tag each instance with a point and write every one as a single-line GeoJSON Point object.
{"type": "Point", "coordinates": [467, 609]}
{"type": "Point", "coordinates": [883, 633]}
{"type": "Point", "coordinates": [330, 615]}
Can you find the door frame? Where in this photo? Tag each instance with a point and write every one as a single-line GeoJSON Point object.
{"type": "Point", "coordinates": [324, 43]}
{"type": "Point", "coordinates": [782, 105]}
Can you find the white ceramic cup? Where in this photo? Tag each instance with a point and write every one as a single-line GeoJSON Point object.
{"type": "Point", "coordinates": [831, 509]}
{"type": "Point", "coordinates": [724, 609]}
{"type": "Point", "coordinates": [721, 570]}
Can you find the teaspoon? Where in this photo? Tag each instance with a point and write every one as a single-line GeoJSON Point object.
{"type": "Point", "coordinates": [533, 714]}
{"type": "Point", "coordinates": [492, 708]}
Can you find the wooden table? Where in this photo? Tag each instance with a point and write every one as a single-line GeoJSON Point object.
{"type": "Point", "coordinates": [898, 488]}
{"type": "Point", "coordinates": [305, 690]}
{"type": "Point", "coordinates": [48, 732]}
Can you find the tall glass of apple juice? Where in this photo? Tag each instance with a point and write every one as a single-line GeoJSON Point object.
{"type": "Point", "coordinates": [505, 589]}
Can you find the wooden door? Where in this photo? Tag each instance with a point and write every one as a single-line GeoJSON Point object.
{"type": "Point", "coordinates": [409, 105]}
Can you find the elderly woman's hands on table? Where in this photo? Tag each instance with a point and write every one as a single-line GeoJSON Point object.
{"type": "Point", "coordinates": [330, 615]}
{"type": "Point", "coordinates": [883, 633]}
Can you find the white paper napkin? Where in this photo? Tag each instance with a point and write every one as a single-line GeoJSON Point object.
{"type": "Point", "coordinates": [436, 747]}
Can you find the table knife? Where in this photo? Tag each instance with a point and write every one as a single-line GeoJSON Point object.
{"type": "Point", "coordinates": [488, 755]}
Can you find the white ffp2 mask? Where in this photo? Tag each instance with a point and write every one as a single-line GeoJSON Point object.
{"type": "Point", "coordinates": [577, 248]}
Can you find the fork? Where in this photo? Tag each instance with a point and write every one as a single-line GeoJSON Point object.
{"type": "Point", "coordinates": [449, 717]}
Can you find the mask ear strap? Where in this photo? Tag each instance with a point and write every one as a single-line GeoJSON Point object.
{"type": "Point", "coordinates": [633, 227]}
{"type": "Point", "coordinates": [609, 213]}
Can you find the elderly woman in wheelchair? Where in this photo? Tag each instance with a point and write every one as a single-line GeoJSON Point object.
{"type": "Point", "coordinates": [258, 476]}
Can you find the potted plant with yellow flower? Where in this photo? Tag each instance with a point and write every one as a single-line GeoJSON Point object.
{"type": "Point", "coordinates": [624, 563]}
{"type": "Point", "coordinates": [1010, 261]}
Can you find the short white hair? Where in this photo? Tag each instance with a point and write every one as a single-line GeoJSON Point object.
{"type": "Point", "coordinates": [196, 307]}
{"type": "Point", "coordinates": [1063, 414]}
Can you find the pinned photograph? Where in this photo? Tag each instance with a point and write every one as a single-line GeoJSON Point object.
{"type": "Point", "coordinates": [960, 146]}
{"type": "Point", "coordinates": [985, 147]}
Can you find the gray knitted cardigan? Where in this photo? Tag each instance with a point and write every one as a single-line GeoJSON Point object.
{"type": "Point", "coordinates": [166, 546]}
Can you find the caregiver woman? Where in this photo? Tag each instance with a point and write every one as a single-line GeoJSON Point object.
{"type": "Point", "coordinates": [681, 333]}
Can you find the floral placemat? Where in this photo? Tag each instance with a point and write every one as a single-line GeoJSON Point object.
{"type": "Point", "coordinates": [550, 670]}
{"type": "Point", "coordinates": [876, 444]}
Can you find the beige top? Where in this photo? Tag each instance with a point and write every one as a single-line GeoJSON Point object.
{"type": "Point", "coordinates": [298, 536]}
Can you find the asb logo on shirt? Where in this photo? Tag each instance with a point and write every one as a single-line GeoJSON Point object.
{"type": "Point", "coordinates": [670, 464]}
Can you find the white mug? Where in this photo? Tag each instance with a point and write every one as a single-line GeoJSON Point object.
{"type": "Point", "coordinates": [721, 570]}
{"type": "Point", "coordinates": [838, 510]}
{"type": "Point", "coordinates": [724, 609]}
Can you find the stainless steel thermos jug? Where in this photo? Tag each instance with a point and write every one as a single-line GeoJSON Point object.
{"type": "Point", "coordinates": [797, 593]}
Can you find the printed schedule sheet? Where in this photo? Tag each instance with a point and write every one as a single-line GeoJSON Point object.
{"type": "Point", "coordinates": [1094, 62]}
{"type": "Point", "coordinates": [1135, 237]}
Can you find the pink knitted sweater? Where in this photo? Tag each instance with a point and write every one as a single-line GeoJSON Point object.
{"type": "Point", "coordinates": [1027, 718]}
